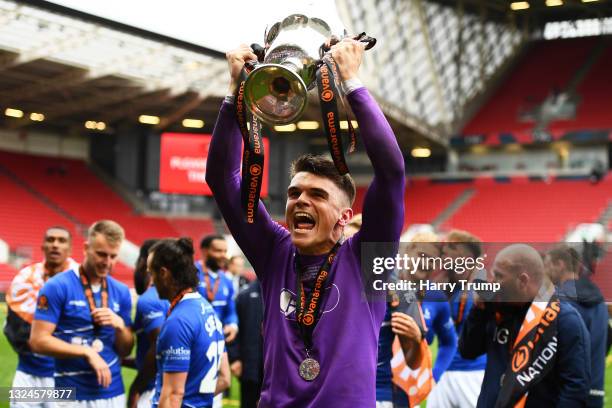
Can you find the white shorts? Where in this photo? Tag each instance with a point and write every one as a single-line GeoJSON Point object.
{"type": "Point", "coordinates": [384, 404]}
{"type": "Point", "coordinates": [22, 379]}
{"type": "Point", "coordinates": [218, 401]}
{"type": "Point", "coordinates": [145, 399]}
{"type": "Point", "coordinates": [115, 402]}
{"type": "Point", "coordinates": [456, 389]}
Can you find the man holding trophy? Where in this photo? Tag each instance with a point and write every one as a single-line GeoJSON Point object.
{"type": "Point", "coordinates": [320, 331]}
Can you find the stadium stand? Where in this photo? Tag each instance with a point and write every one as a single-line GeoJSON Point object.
{"type": "Point", "coordinates": [24, 219]}
{"type": "Point", "coordinates": [424, 200]}
{"type": "Point", "coordinates": [74, 188]}
{"type": "Point", "coordinates": [530, 211]}
{"type": "Point", "coordinates": [42, 191]}
{"type": "Point", "coordinates": [507, 210]}
{"type": "Point", "coordinates": [594, 91]}
{"type": "Point", "coordinates": [546, 66]}
{"type": "Point", "coordinates": [194, 228]}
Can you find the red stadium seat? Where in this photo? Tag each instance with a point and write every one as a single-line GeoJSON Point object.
{"type": "Point", "coordinates": [65, 186]}
{"type": "Point", "coordinates": [533, 211]}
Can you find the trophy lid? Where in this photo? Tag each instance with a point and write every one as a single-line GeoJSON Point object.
{"type": "Point", "coordinates": [325, 12]}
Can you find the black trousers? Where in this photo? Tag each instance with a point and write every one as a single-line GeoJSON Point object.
{"type": "Point", "coordinates": [249, 394]}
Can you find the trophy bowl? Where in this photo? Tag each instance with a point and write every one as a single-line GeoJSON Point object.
{"type": "Point", "coordinates": [276, 90]}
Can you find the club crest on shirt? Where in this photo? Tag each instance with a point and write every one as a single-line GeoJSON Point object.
{"type": "Point", "coordinates": [288, 299]}
{"type": "Point", "coordinates": [43, 303]}
{"type": "Point", "coordinates": [116, 307]}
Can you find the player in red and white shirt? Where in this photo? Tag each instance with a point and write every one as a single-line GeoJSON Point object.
{"type": "Point", "coordinates": [35, 370]}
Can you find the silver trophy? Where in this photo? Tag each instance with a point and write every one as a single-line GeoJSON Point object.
{"type": "Point", "coordinates": [276, 90]}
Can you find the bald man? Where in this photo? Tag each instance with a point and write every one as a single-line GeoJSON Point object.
{"type": "Point", "coordinates": [537, 347]}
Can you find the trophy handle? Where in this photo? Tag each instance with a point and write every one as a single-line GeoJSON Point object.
{"type": "Point", "coordinates": [362, 37]}
{"type": "Point", "coordinates": [259, 51]}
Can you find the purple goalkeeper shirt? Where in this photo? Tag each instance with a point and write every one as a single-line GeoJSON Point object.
{"type": "Point", "coordinates": [345, 338]}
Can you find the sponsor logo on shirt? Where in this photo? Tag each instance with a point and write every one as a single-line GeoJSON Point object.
{"type": "Point", "coordinates": [501, 335]}
{"type": "Point", "coordinates": [43, 303]}
{"type": "Point", "coordinates": [77, 303]}
{"type": "Point", "coordinates": [180, 353]}
{"type": "Point", "coordinates": [116, 307]}
{"type": "Point", "coordinates": [153, 315]}
{"type": "Point", "coordinates": [288, 299]}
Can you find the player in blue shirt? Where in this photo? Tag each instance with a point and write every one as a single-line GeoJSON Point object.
{"type": "Point", "coordinates": [461, 383]}
{"type": "Point", "coordinates": [436, 313]}
{"type": "Point", "coordinates": [436, 310]}
{"type": "Point", "coordinates": [215, 286]}
{"type": "Point", "coordinates": [150, 316]}
{"type": "Point", "coordinates": [83, 320]}
{"type": "Point", "coordinates": [190, 345]}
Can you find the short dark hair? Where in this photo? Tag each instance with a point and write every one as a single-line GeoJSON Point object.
{"type": "Point", "coordinates": [145, 247]}
{"type": "Point", "coordinates": [141, 277]}
{"type": "Point", "coordinates": [58, 227]}
{"type": "Point", "coordinates": [322, 166]}
{"type": "Point", "coordinates": [176, 255]}
{"type": "Point", "coordinates": [207, 240]}
{"type": "Point", "coordinates": [568, 255]}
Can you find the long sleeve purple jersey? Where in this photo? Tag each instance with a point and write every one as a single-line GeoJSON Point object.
{"type": "Point", "coordinates": [346, 336]}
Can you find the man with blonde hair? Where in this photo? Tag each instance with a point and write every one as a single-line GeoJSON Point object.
{"type": "Point", "coordinates": [83, 320]}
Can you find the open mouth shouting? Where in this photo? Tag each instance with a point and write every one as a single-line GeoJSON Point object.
{"type": "Point", "coordinates": [303, 222]}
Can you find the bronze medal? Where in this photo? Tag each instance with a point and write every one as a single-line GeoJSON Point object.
{"type": "Point", "coordinates": [309, 369]}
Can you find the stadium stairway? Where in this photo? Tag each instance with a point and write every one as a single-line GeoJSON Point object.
{"type": "Point", "coordinates": [455, 206]}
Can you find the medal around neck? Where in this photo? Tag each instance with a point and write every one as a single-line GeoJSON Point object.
{"type": "Point", "coordinates": [309, 369]}
{"type": "Point", "coordinates": [97, 345]}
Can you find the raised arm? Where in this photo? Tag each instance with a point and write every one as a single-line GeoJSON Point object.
{"type": "Point", "coordinates": [223, 175]}
{"type": "Point", "coordinates": [383, 209]}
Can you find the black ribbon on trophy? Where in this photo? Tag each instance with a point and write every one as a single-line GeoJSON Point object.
{"type": "Point", "coordinates": [274, 90]}
{"type": "Point", "coordinates": [252, 154]}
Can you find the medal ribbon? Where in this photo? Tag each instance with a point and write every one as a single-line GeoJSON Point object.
{"type": "Point", "coordinates": [307, 309]}
{"type": "Point", "coordinates": [89, 293]}
{"type": "Point", "coordinates": [175, 301]}
{"type": "Point", "coordinates": [211, 292]}
{"type": "Point", "coordinates": [461, 308]}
